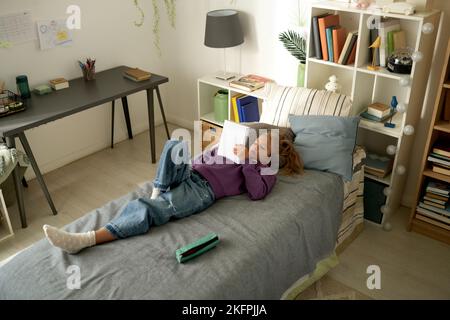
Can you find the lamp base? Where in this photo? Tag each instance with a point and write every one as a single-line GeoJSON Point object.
{"type": "Point", "coordinates": [225, 76]}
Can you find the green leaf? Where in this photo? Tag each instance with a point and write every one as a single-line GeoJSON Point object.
{"type": "Point", "coordinates": [295, 44]}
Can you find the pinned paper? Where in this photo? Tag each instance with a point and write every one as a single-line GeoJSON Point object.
{"type": "Point", "coordinates": [54, 33]}
{"type": "Point", "coordinates": [16, 28]}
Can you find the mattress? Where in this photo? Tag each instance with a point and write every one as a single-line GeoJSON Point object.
{"type": "Point", "coordinates": [265, 246]}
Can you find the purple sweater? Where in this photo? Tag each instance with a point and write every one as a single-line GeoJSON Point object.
{"type": "Point", "coordinates": [233, 179]}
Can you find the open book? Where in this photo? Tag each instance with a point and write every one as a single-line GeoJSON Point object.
{"type": "Point", "coordinates": [232, 134]}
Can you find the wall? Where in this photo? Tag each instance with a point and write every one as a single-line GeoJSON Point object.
{"type": "Point", "coordinates": [108, 34]}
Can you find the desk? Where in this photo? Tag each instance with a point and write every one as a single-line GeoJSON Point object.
{"type": "Point", "coordinates": [81, 95]}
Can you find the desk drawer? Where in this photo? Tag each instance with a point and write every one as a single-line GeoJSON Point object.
{"type": "Point", "coordinates": [210, 134]}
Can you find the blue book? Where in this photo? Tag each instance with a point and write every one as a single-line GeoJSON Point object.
{"type": "Point", "coordinates": [250, 112]}
{"type": "Point", "coordinates": [242, 102]}
{"type": "Point", "coordinates": [329, 32]}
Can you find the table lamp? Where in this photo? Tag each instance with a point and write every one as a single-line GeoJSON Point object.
{"type": "Point", "coordinates": [223, 30]}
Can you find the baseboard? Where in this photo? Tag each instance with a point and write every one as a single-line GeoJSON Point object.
{"type": "Point", "coordinates": [184, 123]}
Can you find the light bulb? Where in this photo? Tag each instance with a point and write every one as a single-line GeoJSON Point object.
{"type": "Point", "coordinates": [404, 81]}
{"type": "Point", "coordinates": [428, 28]}
{"type": "Point", "coordinates": [401, 107]}
{"type": "Point", "coordinates": [401, 170]}
{"type": "Point", "coordinates": [387, 191]}
{"type": "Point", "coordinates": [391, 150]}
{"type": "Point", "coordinates": [408, 130]}
{"type": "Point", "coordinates": [385, 209]}
{"type": "Point", "coordinates": [417, 56]}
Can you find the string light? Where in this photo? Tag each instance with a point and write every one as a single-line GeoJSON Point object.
{"type": "Point", "coordinates": [408, 130]}
{"type": "Point", "coordinates": [391, 150]}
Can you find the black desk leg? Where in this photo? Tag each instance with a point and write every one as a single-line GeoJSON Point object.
{"type": "Point", "coordinates": [26, 147]}
{"type": "Point", "coordinates": [151, 122]}
{"type": "Point", "coordinates": [126, 112]}
{"type": "Point", "coordinates": [112, 123]}
{"type": "Point", "coordinates": [18, 187]}
{"type": "Point", "coordinates": [162, 111]}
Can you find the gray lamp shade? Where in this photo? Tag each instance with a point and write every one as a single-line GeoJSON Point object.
{"type": "Point", "coordinates": [223, 29]}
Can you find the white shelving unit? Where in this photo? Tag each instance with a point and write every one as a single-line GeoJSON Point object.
{"type": "Point", "coordinates": [365, 86]}
{"type": "Point", "coordinates": [6, 229]}
{"type": "Point", "coordinates": [208, 86]}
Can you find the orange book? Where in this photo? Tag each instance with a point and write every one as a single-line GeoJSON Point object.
{"type": "Point", "coordinates": [324, 23]}
{"type": "Point", "coordinates": [339, 37]}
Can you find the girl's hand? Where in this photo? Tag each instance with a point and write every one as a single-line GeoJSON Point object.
{"type": "Point", "coordinates": [241, 151]}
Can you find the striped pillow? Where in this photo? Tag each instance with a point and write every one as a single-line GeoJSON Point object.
{"type": "Point", "coordinates": [282, 101]}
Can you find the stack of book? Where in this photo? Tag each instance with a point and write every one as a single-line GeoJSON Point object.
{"type": "Point", "coordinates": [331, 41]}
{"type": "Point", "coordinates": [392, 38]}
{"type": "Point", "coordinates": [58, 84]}
{"type": "Point", "coordinates": [249, 83]}
{"type": "Point", "coordinates": [440, 158]}
{"type": "Point", "coordinates": [434, 207]}
{"type": "Point", "coordinates": [378, 112]}
{"type": "Point", "coordinates": [245, 108]}
{"type": "Point", "coordinates": [378, 166]}
{"type": "Point", "coordinates": [137, 74]}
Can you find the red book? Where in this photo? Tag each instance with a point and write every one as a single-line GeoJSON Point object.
{"type": "Point", "coordinates": [324, 23]}
{"type": "Point", "coordinates": [339, 37]}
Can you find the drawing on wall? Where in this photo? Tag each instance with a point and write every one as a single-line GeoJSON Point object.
{"type": "Point", "coordinates": [54, 33]}
{"type": "Point", "coordinates": [16, 28]}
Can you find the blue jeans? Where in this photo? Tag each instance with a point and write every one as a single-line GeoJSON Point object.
{"type": "Point", "coordinates": [185, 192]}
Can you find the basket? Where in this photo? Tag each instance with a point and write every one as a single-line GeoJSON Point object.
{"type": "Point", "coordinates": [10, 103]}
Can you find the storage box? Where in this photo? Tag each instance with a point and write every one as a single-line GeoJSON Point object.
{"type": "Point", "coordinates": [374, 199]}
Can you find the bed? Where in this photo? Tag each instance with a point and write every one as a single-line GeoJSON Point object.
{"type": "Point", "coordinates": [269, 249]}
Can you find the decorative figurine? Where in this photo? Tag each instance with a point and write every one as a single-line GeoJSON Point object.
{"type": "Point", "coordinates": [363, 4]}
{"type": "Point", "coordinates": [376, 45]}
{"type": "Point", "coordinates": [394, 104]}
{"type": "Point", "coordinates": [333, 85]}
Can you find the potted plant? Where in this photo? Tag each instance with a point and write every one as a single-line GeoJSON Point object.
{"type": "Point", "coordinates": [296, 45]}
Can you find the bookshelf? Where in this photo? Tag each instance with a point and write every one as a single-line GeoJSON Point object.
{"type": "Point", "coordinates": [365, 86]}
{"type": "Point", "coordinates": [439, 129]}
{"type": "Point", "coordinates": [207, 86]}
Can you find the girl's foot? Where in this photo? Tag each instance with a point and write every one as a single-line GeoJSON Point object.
{"type": "Point", "coordinates": [69, 242]}
{"type": "Point", "coordinates": [155, 193]}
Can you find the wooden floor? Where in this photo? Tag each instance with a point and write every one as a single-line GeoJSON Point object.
{"type": "Point", "coordinates": [412, 266]}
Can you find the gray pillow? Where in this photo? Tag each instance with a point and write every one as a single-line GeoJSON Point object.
{"type": "Point", "coordinates": [326, 143]}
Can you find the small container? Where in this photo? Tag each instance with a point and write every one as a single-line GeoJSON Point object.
{"type": "Point", "coordinates": [221, 106]}
{"type": "Point", "coordinates": [89, 74]}
{"type": "Point", "coordinates": [22, 87]}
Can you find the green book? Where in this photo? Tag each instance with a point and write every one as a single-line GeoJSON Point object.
{"type": "Point", "coordinates": [390, 43]}
{"type": "Point", "coordinates": [197, 247]}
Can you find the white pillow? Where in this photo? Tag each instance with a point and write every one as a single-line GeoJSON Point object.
{"type": "Point", "coordinates": [282, 101]}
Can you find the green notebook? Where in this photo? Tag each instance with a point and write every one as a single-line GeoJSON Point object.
{"type": "Point", "coordinates": [197, 247]}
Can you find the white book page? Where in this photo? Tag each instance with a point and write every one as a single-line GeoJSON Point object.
{"type": "Point", "coordinates": [232, 134]}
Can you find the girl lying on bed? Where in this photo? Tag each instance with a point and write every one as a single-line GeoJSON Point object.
{"type": "Point", "coordinates": [181, 190]}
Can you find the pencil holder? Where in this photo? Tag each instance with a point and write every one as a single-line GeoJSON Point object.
{"type": "Point", "coordinates": [89, 74]}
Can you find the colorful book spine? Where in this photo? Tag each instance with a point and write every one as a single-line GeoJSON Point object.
{"type": "Point", "coordinates": [329, 32]}
{"type": "Point", "coordinates": [235, 108]}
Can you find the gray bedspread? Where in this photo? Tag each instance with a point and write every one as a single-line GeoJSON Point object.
{"type": "Point", "coordinates": [265, 247]}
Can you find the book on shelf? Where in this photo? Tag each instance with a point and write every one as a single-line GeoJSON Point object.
{"type": "Point", "coordinates": [339, 36]}
{"type": "Point", "coordinates": [324, 23]}
{"type": "Point", "coordinates": [438, 156]}
{"type": "Point", "coordinates": [329, 33]}
{"type": "Point", "coordinates": [316, 35]}
{"type": "Point", "coordinates": [441, 170]}
{"type": "Point", "coordinates": [442, 149]}
{"type": "Point", "coordinates": [436, 197]}
{"type": "Point", "coordinates": [59, 83]}
{"type": "Point", "coordinates": [136, 74]}
{"type": "Point", "coordinates": [399, 39]}
{"type": "Point", "coordinates": [377, 165]}
{"type": "Point", "coordinates": [434, 200]}
{"type": "Point", "coordinates": [439, 161]}
{"type": "Point", "coordinates": [349, 49]}
{"type": "Point", "coordinates": [441, 212]}
{"type": "Point", "coordinates": [365, 115]}
{"type": "Point", "coordinates": [379, 110]}
{"type": "Point", "coordinates": [248, 110]}
{"type": "Point", "coordinates": [376, 51]}
{"type": "Point", "coordinates": [439, 188]}
{"type": "Point", "coordinates": [420, 216]}
{"type": "Point", "coordinates": [386, 26]}
{"type": "Point", "coordinates": [234, 107]}
{"type": "Point", "coordinates": [249, 83]}
{"type": "Point", "coordinates": [434, 204]}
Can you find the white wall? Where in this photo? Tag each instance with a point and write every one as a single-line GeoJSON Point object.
{"type": "Point", "coordinates": [108, 34]}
